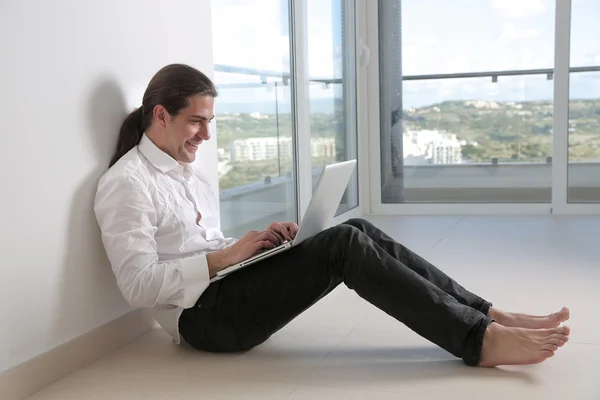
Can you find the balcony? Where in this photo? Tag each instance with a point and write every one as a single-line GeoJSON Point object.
{"type": "Point", "coordinates": [494, 180]}
{"type": "Point", "coordinates": [245, 206]}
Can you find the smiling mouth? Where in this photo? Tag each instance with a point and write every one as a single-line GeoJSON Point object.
{"type": "Point", "coordinates": [193, 145]}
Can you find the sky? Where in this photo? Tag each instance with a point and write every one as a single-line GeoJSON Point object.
{"type": "Point", "coordinates": [255, 34]}
{"type": "Point", "coordinates": [438, 37]}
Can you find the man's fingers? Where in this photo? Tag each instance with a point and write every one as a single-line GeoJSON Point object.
{"type": "Point", "coordinates": [281, 230]}
{"type": "Point", "coordinates": [285, 230]}
{"type": "Point", "coordinates": [294, 229]}
{"type": "Point", "coordinates": [271, 237]}
{"type": "Point", "coordinates": [264, 244]}
{"type": "Point", "coordinates": [291, 228]}
{"type": "Point", "coordinates": [285, 234]}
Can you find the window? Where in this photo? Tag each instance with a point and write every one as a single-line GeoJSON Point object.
{"type": "Point", "coordinates": [254, 114]}
{"type": "Point", "coordinates": [332, 68]}
{"type": "Point", "coordinates": [261, 161]}
{"type": "Point", "coordinates": [466, 101]}
{"type": "Point", "coordinates": [584, 104]}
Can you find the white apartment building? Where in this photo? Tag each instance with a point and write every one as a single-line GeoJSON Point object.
{"type": "Point", "coordinates": [268, 148]}
{"type": "Point", "coordinates": [255, 149]}
{"type": "Point", "coordinates": [431, 147]}
{"type": "Point", "coordinates": [322, 147]}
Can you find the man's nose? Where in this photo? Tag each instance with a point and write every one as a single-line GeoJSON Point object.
{"type": "Point", "coordinates": [204, 133]}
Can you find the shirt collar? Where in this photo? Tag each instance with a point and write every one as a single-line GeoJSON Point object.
{"type": "Point", "coordinates": [158, 158]}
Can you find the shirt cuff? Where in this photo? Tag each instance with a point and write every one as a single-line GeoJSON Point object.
{"type": "Point", "coordinates": [230, 242]}
{"type": "Point", "coordinates": [196, 278]}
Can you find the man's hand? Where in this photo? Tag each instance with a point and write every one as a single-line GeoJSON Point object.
{"type": "Point", "coordinates": [246, 247]}
{"type": "Point", "coordinates": [285, 230]}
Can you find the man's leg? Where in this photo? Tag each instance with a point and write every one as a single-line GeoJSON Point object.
{"type": "Point", "coordinates": [420, 265]}
{"type": "Point", "coordinates": [448, 285]}
{"type": "Point", "coordinates": [246, 308]}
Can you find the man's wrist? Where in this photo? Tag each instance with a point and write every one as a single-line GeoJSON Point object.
{"type": "Point", "coordinates": [218, 260]}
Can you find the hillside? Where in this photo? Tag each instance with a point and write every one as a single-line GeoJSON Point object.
{"type": "Point", "coordinates": [517, 131]}
{"type": "Point", "coordinates": [511, 131]}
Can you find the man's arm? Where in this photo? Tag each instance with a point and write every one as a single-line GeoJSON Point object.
{"type": "Point", "coordinates": [128, 221]}
{"type": "Point", "coordinates": [217, 261]}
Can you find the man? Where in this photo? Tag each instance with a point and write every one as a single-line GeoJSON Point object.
{"type": "Point", "coordinates": [161, 231]}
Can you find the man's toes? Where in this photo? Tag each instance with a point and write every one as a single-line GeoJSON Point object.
{"type": "Point", "coordinates": [546, 333]}
{"type": "Point", "coordinates": [550, 347]}
{"type": "Point", "coordinates": [548, 353]}
{"type": "Point", "coordinates": [560, 316]}
{"type": "Point", "coordinates": [561, 330]}
{"type": "Point", "coordinates": [559, 336]}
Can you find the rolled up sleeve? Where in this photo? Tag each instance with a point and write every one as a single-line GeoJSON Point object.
{"type": "Point", "coordinates": [128, 222]}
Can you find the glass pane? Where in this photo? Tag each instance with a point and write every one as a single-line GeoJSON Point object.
{"type": "Point", "coordinates": [254, 124]}
{"type": "Point", "coordinates": [585, 48]}
{"type": "Point", "coordinates": [462, 120]}
{"type": "Point", "coordinates": [331, 64]}
{"type": "Point", "coordinates": [449, 37]}
{"type": "Point", "coordinates": [584, 105]}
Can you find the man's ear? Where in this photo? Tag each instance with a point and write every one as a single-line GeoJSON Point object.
{"type": "Point", "coordinates": [160, 115]}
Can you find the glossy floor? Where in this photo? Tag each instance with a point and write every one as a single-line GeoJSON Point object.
{"type": "Point", "coordinates": [343, 348]}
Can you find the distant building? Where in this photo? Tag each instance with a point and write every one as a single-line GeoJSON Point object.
{"type": "Point", "coordinates": [431, 147]}
{"type": "Point", "coordinates": [269, 148]}
{"type": "Point", "coordinates": [255, 149]}
{"type": "Point", "coordinates": [322, 147]}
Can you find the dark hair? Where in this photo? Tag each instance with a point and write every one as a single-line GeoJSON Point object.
{"type": "Point", "coordinates": [171, 87]}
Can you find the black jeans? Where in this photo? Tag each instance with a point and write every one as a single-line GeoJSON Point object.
{"type": "Point", "coordinates": [244, 309]}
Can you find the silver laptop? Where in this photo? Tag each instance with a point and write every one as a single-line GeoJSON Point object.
{"type": "Point", "coordinates": [320, 212]}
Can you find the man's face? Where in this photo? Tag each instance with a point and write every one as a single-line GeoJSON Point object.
{"type": "Point", "coordinates": [188, 129]}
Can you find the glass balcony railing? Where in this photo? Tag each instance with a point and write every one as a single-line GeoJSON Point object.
{"type": "Point", "coordinates": [460, 141]}
{"type": "Point", "coordinates": [256, 148]}
{"type": "Point", "coordinates": [255, 141]}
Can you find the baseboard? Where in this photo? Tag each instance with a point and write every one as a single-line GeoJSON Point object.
{"type": "Point", "coordinates": [33, 375]}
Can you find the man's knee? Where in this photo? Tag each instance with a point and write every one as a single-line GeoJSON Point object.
{"type": "Point", "coordinates": [359, 223]}
{"type": "Point", "coordinates": [339, 237]}
{"type": "Point", "coordinates": [344, 233]}
{"type": "Point", "coordinates": [344, 227]}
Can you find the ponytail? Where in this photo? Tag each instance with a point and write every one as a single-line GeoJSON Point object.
{"type": "Point", "coordinates": [130, 134]}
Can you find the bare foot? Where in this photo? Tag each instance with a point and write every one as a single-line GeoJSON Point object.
{"type": "Point", "coordinates": [529, 321]}
{"type": "Point", "coordinates": [518, 346]}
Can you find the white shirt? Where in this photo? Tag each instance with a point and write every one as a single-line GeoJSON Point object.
{"type": "Point", "coordinates": [147, 205]}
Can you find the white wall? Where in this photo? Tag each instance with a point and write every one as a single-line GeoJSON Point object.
{"type": "Point", "coordinates": [69, 72]}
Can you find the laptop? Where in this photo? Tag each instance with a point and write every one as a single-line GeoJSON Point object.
{"type": "Point", "coordinates": [320, 212]}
